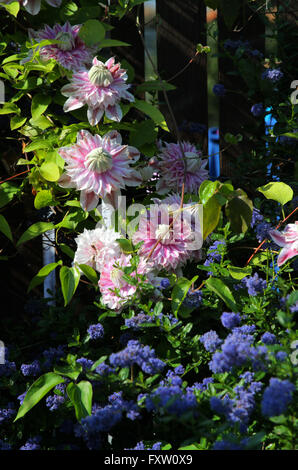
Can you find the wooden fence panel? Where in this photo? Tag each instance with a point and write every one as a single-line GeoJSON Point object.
{"type": "Point", "coordinates": [181, 25]}
{"type": "Point", "coordinates": [126, 30]}
{"type": "Point", "coordinates": [235, 114]}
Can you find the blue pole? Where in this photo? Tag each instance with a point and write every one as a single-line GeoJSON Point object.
{"type": "Point", "coordinates": [213, 152]}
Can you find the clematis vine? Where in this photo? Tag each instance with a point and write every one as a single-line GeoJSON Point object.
{"type": "Point", "coordinates": [99, 167]}
{"type": "Point", "coordinates": [101, 88]}
{"type": "Point", "coordinates": [166, 239]}
{"type": "Point", "coordinates": [71, 52]}
{"type": "Point", "coordinates": [115, 290]}
{"type": "Point", "coordinates": [288, 240]}
{"type": "Point", "coordinates": [171, 168]}
{"type": "Point", "coordinates": [96, 247]}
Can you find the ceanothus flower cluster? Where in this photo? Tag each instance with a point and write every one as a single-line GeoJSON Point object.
{"type": "Point", "coordinates": [136, 353]}
{"type": "Point", "coordinates": [170, 397]}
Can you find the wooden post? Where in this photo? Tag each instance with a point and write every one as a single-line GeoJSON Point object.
{"type": "Point", "coordinates": [181, 25]}
{"type": "Point", "coordinates": [235, 115]}
{"type": "Point", "coordinates": [126, 30]}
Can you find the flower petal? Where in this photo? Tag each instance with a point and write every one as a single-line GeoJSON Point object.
{"type": "Point", "coordinates": [32, 6]}
{"type": "Point", "coordinates": [286, 253]}
{"type": "Point", "coordinates": [277, 237]}
{"type": "Point", "coordinates": [71, 104]}
{"type": "Point", "coordinates": [65, 181]}
{"type": "Point", "coordinates": [88, 200]}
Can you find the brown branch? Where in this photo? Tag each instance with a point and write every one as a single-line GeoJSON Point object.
{"type": "Point", "coordinates": [11, 177]}
{"type": "Point", "coordinates": [184, 68]}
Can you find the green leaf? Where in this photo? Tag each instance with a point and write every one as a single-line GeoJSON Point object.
{"type": "Point", "coordinates": [28, 84]}
{"type": "Point", "coordinates": [154, 85]}
{"type": "Point", "coordinates": [39, 104]}
{"type": "Point", "coordinates": [89, 272]}
{"type": "Point", "coordinates": [144, 133]}
{"type": "Point", "coordinates": [92, 32]}
{"type": "Point", "coordinates": [292, 135]}
{"type": "Point", "coordinates": [37, 144]}
{"type": "Point", "coordinates": [4, 228]}
{"type": "Point", "coordinates": [35, 230]}
{"type": "Point", "coordinates": [23, 161]}
{"type": "Point", "coordinates": [81, 396]}
{"type": "Point", "coordinates": [86, 13]}
{"type": "Point", "coordinates": [259, 259]}
{"type": "Point", "coordinates": [223, 291]}
{"type": "Point", "coordinates": [179, 293]}
{"type": "Point", "coordinates": [125, 245]}
{"type": "Point", "coordinates": [72, 219]}
{"type": "Point", "coordinates": [9, 108]}
{"type": "Point", "coordinates": [42, 274]}
{"type": "Point", "coordinates": [277, 191]}
{"type": "Point", "coordinates": [69, 278]}
{"type": "Point", "coordinates": [96, 363]}
{"type": "Point", "coordinates": [50, 171]}
{"type": "Point", "coordinates": [190, 447]}
{"type": "Point", "coordinates": [150, 110]}
{"type": "Point", "coordinates": [239, 273]}
{"type": "Point", "coordinates": [207, 189]}
{"type": "Point", "coordinates": [41, 123]}
{"type": "Point", "coordinates": [112, 43]}
{"type": "Point", "coordinates": [211, 215]}
{"type": "Point", "coordinates": [43, 198]}
{"type": "Point", "coordinates": [292, 298]}
{"type": "Point", "coordinates": [239, 211]}
{"type": "Point", "coordinates": [283, 318]}
{"type": "Point", "coordinates": [67, 250]}
{"type": "Point", "coordinates": [72, 371]}
{"type": "Point", "coordinates": [67, 10]}
{"type": "Point", "coordinates": [7, 193]}
{"type": "Point", "coordinates": [13, 8]}
{"type": "Point", "coordinates": [37, 391]}
{"type": "Point", "coordinates": [16, 122]}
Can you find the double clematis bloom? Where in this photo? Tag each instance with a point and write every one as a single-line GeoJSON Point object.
{"type": "Point", "coordinates": [115, 290]}
{"type": "Point", "coordinates": [96, 247]}
{"type": "Point", "coordinates": [99, 167]}
{"type": "Point", "coordinates": [171, 168]}
{"type": "Point", "coordinates": [71, 52]}
{"type": "Point", "coordinates": [167, 238]}
{"type": "Point", "coordinates": [288, 240]}
{"type": "Point", "coordinates": [33, 6]}
{"type": "Point", "coordinates": [101, 88]}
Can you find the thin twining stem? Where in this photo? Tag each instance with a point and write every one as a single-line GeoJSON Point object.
{"type": "Point", "coordinates": [276, 228]}
{"type": "Point", "coordinates": [176, 129]}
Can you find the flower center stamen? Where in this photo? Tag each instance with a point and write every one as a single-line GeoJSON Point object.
{"type": "Point", "coordinates": [162, 232]}
{"type": "Point", "coordinates": [67, 41]}
{"type": "Point", "coordinates": [116, 277]}
{"type": "Point", "coordinates": [99, 160]}
{"type": "Point", "coordinates": [193, 161]}
{"type": "Point", "coordinates": [100, 75]}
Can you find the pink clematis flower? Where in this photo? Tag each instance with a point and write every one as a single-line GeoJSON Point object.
{"type": "Point", "coordinates": [111, 278]}
{"type": "Point", "coordinates": [33, 6]}
{"type": "Point", "coordinates": [174, 241]}
{"type": "Point", "coordinates": [288, 240]}
{"type": "Point", "coordinates": [96, 247]}
{"type": "Point", "coordinates": [71, 53]}
{"type": "Point", "coordinates": [99, 167]}
{"type": "Point", "coordinates": [170, 167]}
{"type": "Point", "coordinates": [101, 88]}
